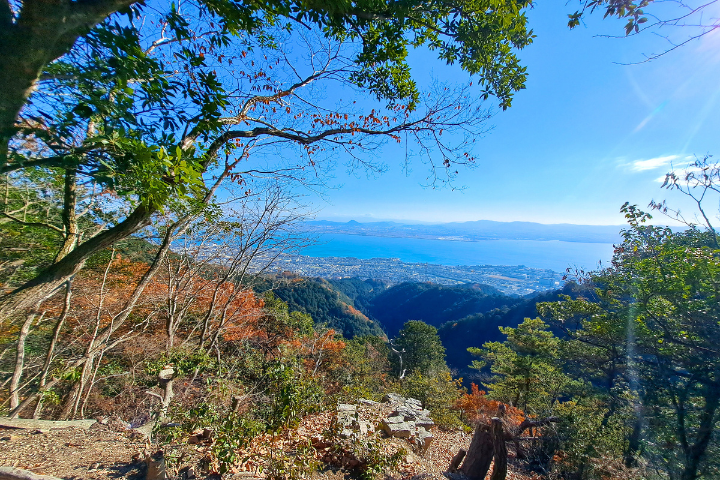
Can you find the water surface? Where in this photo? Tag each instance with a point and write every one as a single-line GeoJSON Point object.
{"type": "Point", "coordinates": [551, 254]}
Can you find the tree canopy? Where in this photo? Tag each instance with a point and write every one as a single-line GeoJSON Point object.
{"type": "Point", "coordinates": [418, 346]}
{"type": "Point", "coordinates": [646, 335]}
{"type": "Point", "coordinates": [159, 106]}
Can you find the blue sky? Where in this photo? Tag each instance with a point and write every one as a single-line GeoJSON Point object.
{"type": "Point", "coordinates": [585, 136]}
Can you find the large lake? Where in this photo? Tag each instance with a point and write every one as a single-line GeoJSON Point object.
{"type": "Point", "coordinates": [553, 254]}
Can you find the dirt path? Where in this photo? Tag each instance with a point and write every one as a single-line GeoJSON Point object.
{"type": "Point", "coordinates": [99, 452]}
{"type": "Point", "coordinates": [111, 451]}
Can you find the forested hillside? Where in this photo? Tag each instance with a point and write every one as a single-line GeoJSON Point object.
{"type": "Point", "coordinates": [465, 316]}
{"type": "Point", "coordinates": [433, 304]}
{"type": "Point", "coordinates": [347, 304]}
{"type": "Point", "coordinates": [476, 329]}
{"type": "Point", "coordinates": [326, 305]}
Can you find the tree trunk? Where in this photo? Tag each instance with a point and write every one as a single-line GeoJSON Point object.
{"type": "Point", "coordinates": [69, 402]}
{"type": "Point", "coordinates": [42, 31]}
{"type": "Point", "coordinates": [155, 466]}
{"type": "Point", "coordinates": [633, 442]}
{"type": "Point", "coordinates": [69, 215]}
{"type": "Point", "coordinates": [19, 362]}
{"type": "Point", "coordinates": [45, 284]}
{"type": "Point", "coordinates": [51, 348]}
{"type": "Point", "coordinates": [479, 455]}
{"type": "Point", "coordinates": [454, 463]}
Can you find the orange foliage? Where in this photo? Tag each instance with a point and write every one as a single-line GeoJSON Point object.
{"type": "Point", "coordinates": [100, 294]}
{"type": "Point", "coordinates": [354, 311]}
{"type": "Point", "coordinates": [321, 352]}
{"type": "Point", "coordinates": [244, 313]}
{"type": "Point", "coordinates": [477, 407]}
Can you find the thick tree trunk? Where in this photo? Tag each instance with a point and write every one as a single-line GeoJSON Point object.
{"type": "Point", "coordinates": [45, 284]}
{"type": "Point", "coordinates": [42, 31]}
{"type": "Point", "coordinates": [454, 463]}
{"type": "Point", "coordinates": [69, 402]}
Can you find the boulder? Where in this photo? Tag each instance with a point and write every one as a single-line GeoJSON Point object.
{"type": "Point", "coordinates": [423, 439]}
{"type": "Point", "coordinates": [413, 401]}
{"type": "Point", "coordinates": [395, 419]}
{"type": "Point", "coordinates": [406, 413]}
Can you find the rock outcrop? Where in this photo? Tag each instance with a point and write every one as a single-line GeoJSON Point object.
{"type": "Point", "coordinates": [408, 420]}
{"type": "Point", "coordinates": [350, 423]}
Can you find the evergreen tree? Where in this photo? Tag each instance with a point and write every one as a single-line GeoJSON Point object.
{"type": "Point", "coordinates": [418, 349]}
{"type": "Point", "coordinates": [648, 334]}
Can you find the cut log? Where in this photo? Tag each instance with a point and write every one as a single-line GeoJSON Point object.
{"type": "Point", "coordinates": [10, 473]}
{"type": "Point", "coordinates": [30, 423]}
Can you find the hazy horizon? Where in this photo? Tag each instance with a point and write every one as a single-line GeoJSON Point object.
{"type": "Point", "coordinates": [590, 132]}
{"type": "Point", "coordinates": [367, 220]}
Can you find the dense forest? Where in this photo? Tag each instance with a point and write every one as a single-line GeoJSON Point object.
{"type": "Point", "coordinates": [465, 315]}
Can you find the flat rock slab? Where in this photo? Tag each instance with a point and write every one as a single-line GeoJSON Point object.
{"type": "Point", "coordinates": [399, 430]}
{"type": "Point", "coordinates": [29, 423]}
{"type": "Point", "coordinates": [9, 473]}
{"type": "Point", "coordinates": [424, 422]}
{"type": "Point", "coordinates": [395, 419]}
{"type": "Point", "coordinates": [393, 398]}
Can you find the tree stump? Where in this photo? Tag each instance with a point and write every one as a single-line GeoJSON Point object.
{"type": "Point", "coordinates": [488, 445]}
{"type": "Point", "coordinates": [165, 381]}
{"type": "Point", "coordinates": [499, 450]}
{"type": "Point", "coordinates": [479, 455]}
{"type": "Point", "coordinates": [456, 460]}
{"type": "Point", "coordinates": [155, 466]}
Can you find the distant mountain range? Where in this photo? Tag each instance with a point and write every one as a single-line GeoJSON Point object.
{"type": "Point", "coordinates": [474, 231]}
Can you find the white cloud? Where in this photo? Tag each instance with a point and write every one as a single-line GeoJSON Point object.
{"type": "Point", "coordinates": [682, 170]}
{"type": "Point", "coordinates": [652, 163]}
